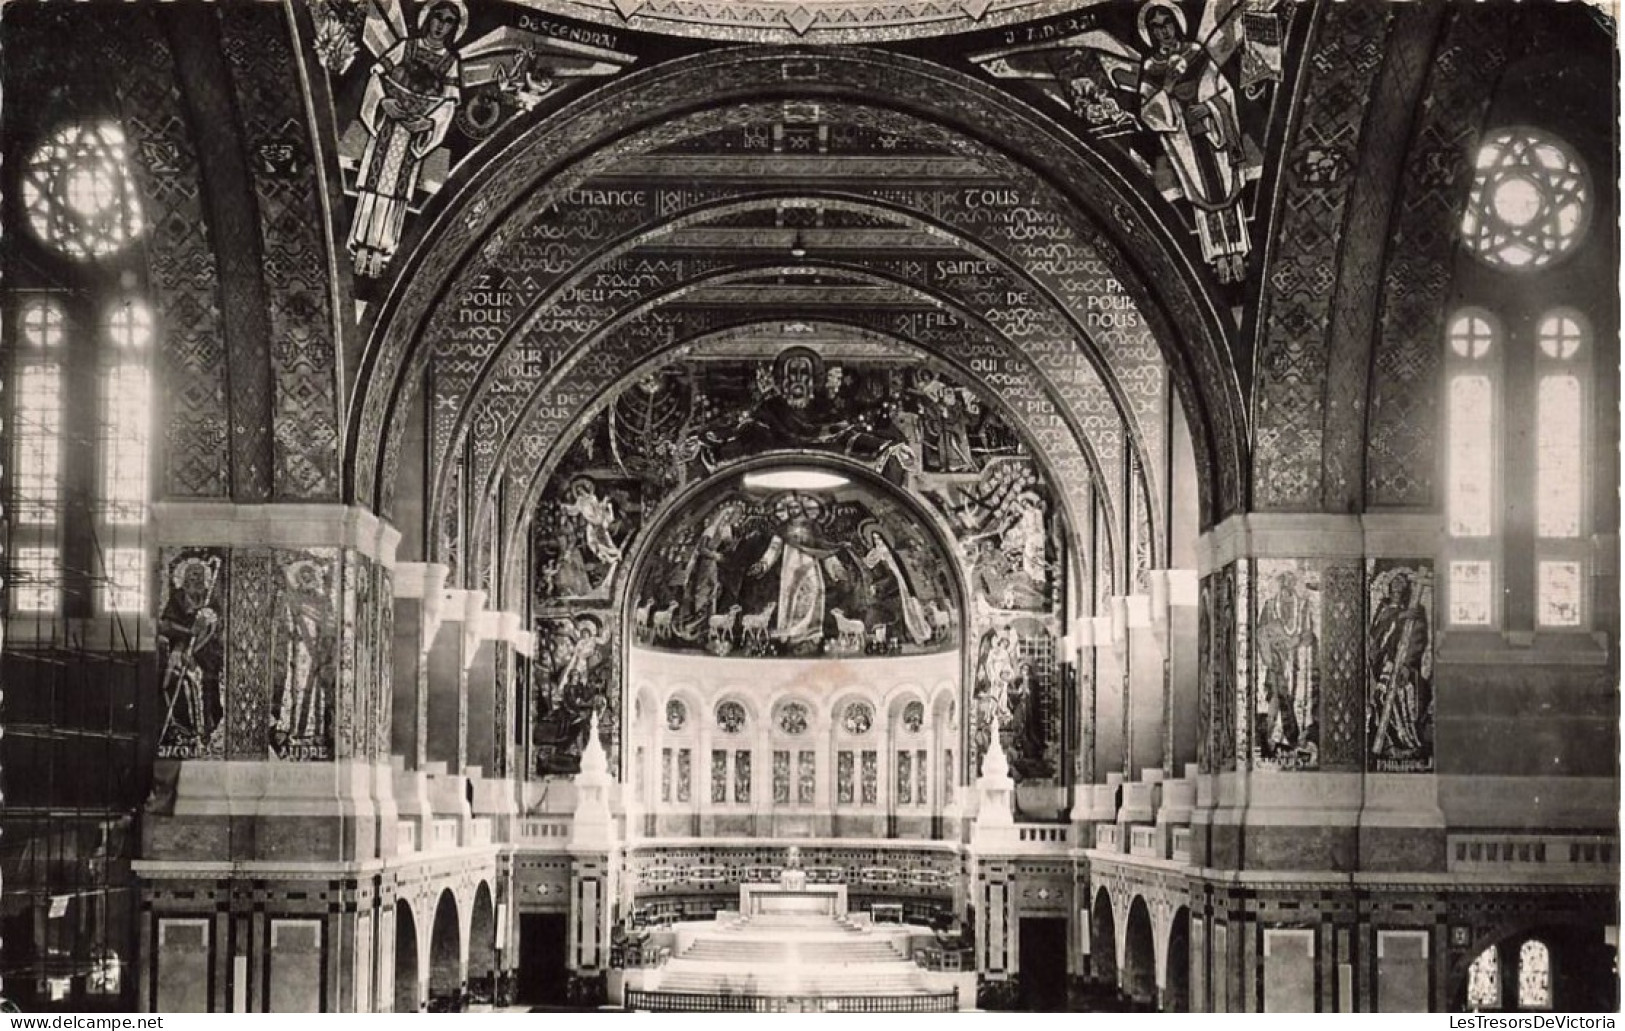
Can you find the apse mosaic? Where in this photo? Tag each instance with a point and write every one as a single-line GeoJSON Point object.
{"type": "Point", "coordinates": [916, 427]}
{"type": "Point", "coordinates": [418, 87]}
{"type": "Point", "coordinates": [1399, 665]}
{"type": "Point", "coordinates": [803, 573]}
{"type": "Point", "coordinates": [1183, 90]}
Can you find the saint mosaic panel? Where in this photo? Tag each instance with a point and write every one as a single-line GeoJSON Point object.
{"type": "Point", "coordinates": [1399, 665]}
{"type": "Point", "coordinates": [192, 631]}
{"type": "Point", "coordinates": [250, 658]}
{"type": "Point", "coordinates": [1286, 691]}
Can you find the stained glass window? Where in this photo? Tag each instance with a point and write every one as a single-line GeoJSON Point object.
{"type": "Point", "coordinates": [920, 776]}
{"type": "Point", "coordinates": [1530, 201]}
{"type": "Point", "coordinates": [781, 777]}
{"type": "Point", "coordinates": [665, 775]}
{"type": "Point", "coordinates": [42, 323]}
{"type": "Point", "coordinates": [676, 714]}
{"type": "Point", "coordinates": [1534, 976]}
{"type": "Point", "coordinates": [905, 778]}
{"type": "Point", "coordinates": [719, 775]}
{"type": "Point", "coordinates": [741, 776]}
{"type": "Point", "coordinates": [843, 778]}
{"type": "Point", "coordinates": [123, 587]}
{"type": "Point", "coordinates": [38, 430]}
{"type": "Point", "coordinates": [35, 581]}
{"type": "Point", "coordinates": [1471, 594]}
{"type": "Point", "coordinates": [731, 717]}
{"type": "Point", "coordinates": [685, 774]}
{"type": "Point", "coordinates": [1484, 981]}
{"type": "Point", "coordinates": [126, 408]}
{"type": "Point", "coordinates": [1560, 336]}
{"type": "Point", "coordinates": [1557, 589]}
{"type": "Point", "coordinates": [129, 325]}
{"type": "Point", "coordinates": [1472, 455]}
{"type": "Point", "coordinates": [79, 194]}
{"type": "Point", "coordinates": [1471, 336]}
{"type": "Point", "coordinates": [806, 777]}
{"type": "Point", "coordinates": [871, 777]}
{"type": "Point", "coordinates": [1560, 416]}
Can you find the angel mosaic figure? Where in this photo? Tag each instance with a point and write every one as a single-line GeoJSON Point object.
{"type": "Point", "coordinates": [1192, 108]}
{"type": "Point", "coordinates": [597, 517]}
{"type": "Point", "coordinates": [411, 99]}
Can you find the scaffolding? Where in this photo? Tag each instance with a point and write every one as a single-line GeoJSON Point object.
{"type": "Point", "coordinates": [77, 713]}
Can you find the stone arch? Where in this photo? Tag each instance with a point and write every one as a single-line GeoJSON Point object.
{"type": "Point", "coordinates": [1103, 939]}
{"type": "Point", "coordinates": [447, 970]}
{"type": "Point", "coordinates": [1581, 962]}
{"type": "Point", "coordinates": [1138, 976]}
{"type": "Point", "coordinates": [1176, 979]}
{"type": "Point", "coordinates": [482, 942]}
{"type": "Point", "coordinates": [821, 714]}
{"type": "Point", "coordinates": [1182, 314]}
{"type": "Point", "coordinates": [409, 987]}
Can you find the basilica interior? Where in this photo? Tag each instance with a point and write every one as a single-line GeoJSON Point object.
{"type": "Point", "coordinates": [785, 505]}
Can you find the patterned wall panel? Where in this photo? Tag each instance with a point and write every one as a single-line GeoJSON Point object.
{"type": "Point", "coordinates": [255, 576]}
{"type": "Point", "coordinates": [271, 104]}
{"type": "Point", "coordinates": [1401, 446]}
{"type": "Point", "coordinates": [1343, 662]}
{"type": "Point", "coordinates": [1290, 385]}
{"type": "Point", "coordinates": [1362, 254]}
{"type": "Point", "coordinates": [196, 437]}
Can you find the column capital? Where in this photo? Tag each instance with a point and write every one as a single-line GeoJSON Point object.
{"type": "Point", "coordinates": [1280, 535]}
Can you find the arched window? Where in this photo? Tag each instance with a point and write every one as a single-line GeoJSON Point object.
{"type": "Point", "coordinates": [37, 418]}
{"type": "Point", "coordinates": [81, 376]}
{"type": "Point", "coordinates": [1518, 394]}
{"type": "Point", "coordinates": [1562, 484]}
{"type": "Point", "coordinates": [1484, 981]}
{"type": "Point", "coordinates": [1472, 363]}
{"type": "Point", "coordinates": [1530, 201]}
{"type": "Point", "coordinates": [1534, 976]}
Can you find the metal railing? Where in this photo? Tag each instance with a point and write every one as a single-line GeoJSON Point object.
{"type": "Point", "coordinates": [697, 1002]}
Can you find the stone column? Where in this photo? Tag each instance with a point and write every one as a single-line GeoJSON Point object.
{"type": "Point", "coordinates": [275, 667]}
{"type": "Point", "coordinates": [594, 862]}
{"type": "Point", "coordinates": [490, 727]}
{"type": "Point", "coordinates": [419, 597]}
{"type": "Point", "coordinates": [1147, 686]}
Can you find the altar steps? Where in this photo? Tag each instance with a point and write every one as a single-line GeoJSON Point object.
{"type": "Point", "coordinates": [804, 953]}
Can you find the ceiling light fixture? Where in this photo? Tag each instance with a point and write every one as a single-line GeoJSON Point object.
{"type": "Point", "coordinates": [798, 250]}
{"type": "Point", "coordinates": [795, 479]}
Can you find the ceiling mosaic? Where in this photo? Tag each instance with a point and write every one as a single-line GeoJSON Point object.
{"type": "Point", "coordinates": [917, 427]}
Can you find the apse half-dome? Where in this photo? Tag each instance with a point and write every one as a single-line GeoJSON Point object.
{"type": "Point", "coordinates": [755, 567]}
